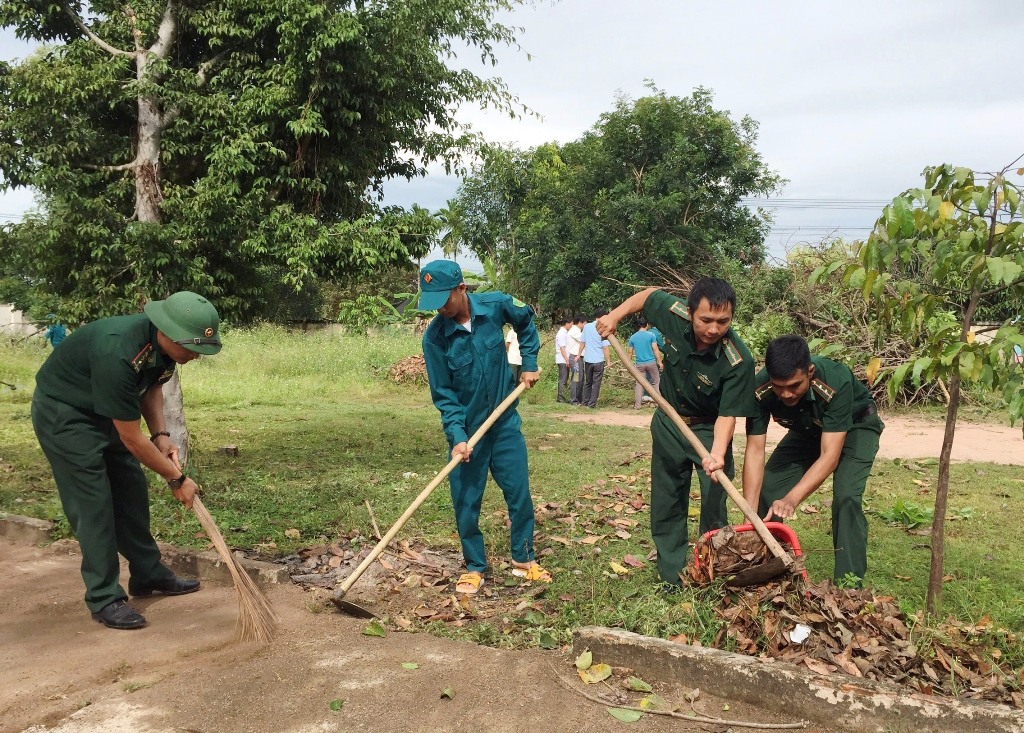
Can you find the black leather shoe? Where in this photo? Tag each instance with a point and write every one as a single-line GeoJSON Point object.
{"type": "Point", "coordinates": [119, 615]}
{"type": "Point", "coordinates": [169, 587]}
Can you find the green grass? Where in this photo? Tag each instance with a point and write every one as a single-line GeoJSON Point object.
{"type": "Point", "coordinates": [320, 429]}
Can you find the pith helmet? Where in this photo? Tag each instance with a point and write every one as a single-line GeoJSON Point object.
{"type": "Point", "coordinates": [187, 319]}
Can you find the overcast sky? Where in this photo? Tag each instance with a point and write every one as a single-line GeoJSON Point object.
{"type": "Point", "coordinates": [853, 99]}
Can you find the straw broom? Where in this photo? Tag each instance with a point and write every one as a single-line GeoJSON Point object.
{"type": "Point", "coordinates": [256, 618]}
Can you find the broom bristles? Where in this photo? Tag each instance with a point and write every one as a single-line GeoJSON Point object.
{"type": "Point", "coordinates": [256, 618]}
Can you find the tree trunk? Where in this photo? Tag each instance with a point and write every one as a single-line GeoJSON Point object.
{"type": "Point", "coordinates": [148, 197]}
{"type": "Point", "coordinates": [934, 600]}
{"type": "Point", "coordinates": [174, 416]}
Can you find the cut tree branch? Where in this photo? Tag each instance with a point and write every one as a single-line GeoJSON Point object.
{"type": "Point", "coordinates": [113, 51]}
{"type": "Point", "coordinates": [110, 168]}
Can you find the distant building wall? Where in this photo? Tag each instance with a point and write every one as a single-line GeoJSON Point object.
{"type": "Point", "coordinates": [13, 323]}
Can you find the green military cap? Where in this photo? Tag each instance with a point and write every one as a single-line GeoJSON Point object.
{"type": "Point", "coordinates": [437, 280]}
{"type": "Point", "coordinates": [187, 319]}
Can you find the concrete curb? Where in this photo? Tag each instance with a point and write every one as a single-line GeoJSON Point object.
{"type": "Point", "coordinates": [26, 529]}
{"type": "Point", "coordinates": [839, 702]}
{"type": "Point", "coordinates": [205, 565]}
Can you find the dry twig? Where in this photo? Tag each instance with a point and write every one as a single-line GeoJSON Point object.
{"type": "Point", "coordinates": [701, 719]}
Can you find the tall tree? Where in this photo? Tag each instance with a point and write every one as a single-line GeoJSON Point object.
{"type": "Point", "coordinates": [657, 183]}
{"type": "Point", "coordinates": [937, 257]}
{"type": "Point", "coordinates": [212, 145]}
{"type": "Point", "coordinates": [220, 145]}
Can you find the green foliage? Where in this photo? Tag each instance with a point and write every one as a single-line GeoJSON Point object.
{"type": "Point", "coordinates": [246, 149]}
{"type": "Point", "coordinates": [907, 514]}
{"type": "Point", "coordinates": [656, 183]}
{"type": "Point", "coordinates": [936, 257]}
{"type": "Point", "coordinates": [367, 311]}
{"type": "Point", "coordinates": [939, 254]}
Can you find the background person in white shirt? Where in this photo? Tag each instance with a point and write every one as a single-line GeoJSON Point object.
{"type": "Point", "coordinates": [562, 359]}
{"type": "Point", "coordinates": [515, 359]}
{"type": "Point", "coordinates": [572, 345]}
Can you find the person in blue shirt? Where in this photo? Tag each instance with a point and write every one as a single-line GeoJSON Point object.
{"type": "Point", "coordinates": [469, 375]}
{"type": "Point", "coordinates": [595, 351]}
{"type": "Point", "coordinates": [644, 351]}
{"type": "Point", "coordinates": [55, 332]}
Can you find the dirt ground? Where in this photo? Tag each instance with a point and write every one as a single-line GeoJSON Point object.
{"type": "Point", "coordinates": [904, 437]}
{"type": "Point", "coordinates": [65, 673]}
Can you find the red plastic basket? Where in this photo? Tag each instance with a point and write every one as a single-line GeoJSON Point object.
{"type": "Point", "coordinates": [782, 532]}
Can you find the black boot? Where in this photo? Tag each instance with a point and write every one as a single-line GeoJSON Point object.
{"type": "Point", "coordinates": [173, 586]}
{"type": "Point", "coordinates": [119, 615]}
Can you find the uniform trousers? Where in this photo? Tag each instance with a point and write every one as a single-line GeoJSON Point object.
{"type": "Point", "coordinates": [502, 451]}
{"type": "Point", "coordinates": [789, 462]}
{"type": "Point", "coordinates": [673, 463]}
{"type": "Point", "coordinates": [105, 496]}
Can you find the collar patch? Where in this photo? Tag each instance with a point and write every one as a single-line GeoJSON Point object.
{"type": "Point", "coordinates": [823, 389]}
{"type": "Point", "coordinates": [732, 353]}
{"type": "Point", "coordinates": [680, 310]}
{"type": "Point", "coordinates": [140, 360]}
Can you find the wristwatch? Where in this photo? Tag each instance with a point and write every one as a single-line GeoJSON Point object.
{"type": "Point", "coordinates": [175, 484]}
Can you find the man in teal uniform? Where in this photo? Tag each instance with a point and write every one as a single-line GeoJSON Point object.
{"type": "Point", "coordinates": [91, 395]}
{"type": "Point", "coordinates": [464, 351]}
{"type": "Point", "coordinates": [833, 430]}
{"type": "Point", "coordinates": [708, 379]}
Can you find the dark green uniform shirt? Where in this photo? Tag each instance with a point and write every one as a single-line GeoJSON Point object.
{"type": "Point", "coordinates": [468, 370]}
{"type": "Point", "coordinates": [708, 383]}
{"type": "Point", "coordinates": [833, 403]}
{"type": "Point", "coordinates": [106, 367]}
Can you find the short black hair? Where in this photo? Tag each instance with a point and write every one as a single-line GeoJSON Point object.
{"type": "Point", "coordinates": [641, 322]}
{"type": "Point", "coordinates": [579, 318]}
{"type": "Point", "coordinates": [600, 312]}
{"type": "Point", "coordinates": [716, 291]}
{"type": "Point", "coordinates": [786, 356]}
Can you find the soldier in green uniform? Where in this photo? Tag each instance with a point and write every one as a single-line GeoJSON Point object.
{"type": "Point", "coordinates": [833, 430]}
{"type": "Point", "coordinates": [469, 375]}
{"type": "Point", "coordinates": [708, 378]}
{"type": "Point", "coordinates": [91, 395]}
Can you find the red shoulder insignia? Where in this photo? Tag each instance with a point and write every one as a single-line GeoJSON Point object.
{"type": "Point", "coordinates": [140, 359]}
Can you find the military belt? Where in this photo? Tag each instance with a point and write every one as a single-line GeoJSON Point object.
{"type": "Point", "coordinates": [698, 420]}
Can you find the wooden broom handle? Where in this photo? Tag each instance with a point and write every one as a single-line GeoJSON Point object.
{"type": "Point", "coordinates": [441, 476]}
{"type": "Point", "coordinates": [730, 489]}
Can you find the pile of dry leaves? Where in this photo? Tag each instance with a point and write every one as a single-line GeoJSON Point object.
{"type": "Point", "coordinates": [830, 629]}
{"type": "Point", "coordinates": [726, 553]}
{"type": "Point", "coordinates": [410, 369]}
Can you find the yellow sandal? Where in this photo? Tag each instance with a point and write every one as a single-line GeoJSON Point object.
{"type": "Point", "coordinates": [469, 583]}
{"type": "Point", "coordinates": [531, 571]}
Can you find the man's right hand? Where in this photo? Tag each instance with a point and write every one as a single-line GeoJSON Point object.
{"type": "Point", "coordinates": [186, 492]}
{"type": "Point", "coordinates": [606, 325]}
{"type": "Point", "coordinates": [464, 450]}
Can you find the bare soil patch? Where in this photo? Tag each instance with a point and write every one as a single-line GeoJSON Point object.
{"type": "Point", "coordinates": [904, 437]}
{"type": "Point", "coordinates": [64, 672]}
